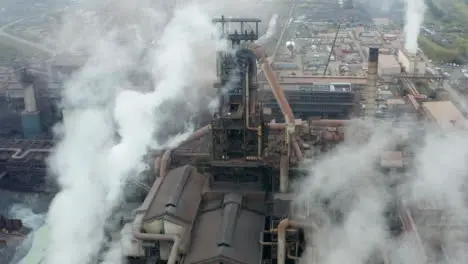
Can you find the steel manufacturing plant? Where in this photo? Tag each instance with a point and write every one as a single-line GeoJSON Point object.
{"type": "Point", "coordinates": [228, 193]}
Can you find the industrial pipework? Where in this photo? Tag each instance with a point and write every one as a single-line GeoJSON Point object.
{"type": "Point", "coordinates": [138, 224]}
{"type": "Point", "coordinates": [18, 155]}
{"type": "Point", "coordinates": [274, 84]}
{"type": "Point", "coordinates": [162, 165]}
{"type": "Point", "coordinates": [280, 98]}
{"type": "Point", "coordinates": [282, 226]}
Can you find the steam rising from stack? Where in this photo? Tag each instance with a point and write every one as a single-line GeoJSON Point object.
{"type": "Point", "coordinates": [112, 124]}
{"type": "Point", "coordinates": [271, 31]}
{"type": "Point", "coordinates": [414, 18]}
{"type": "Point", "coordinates": [112, 121]}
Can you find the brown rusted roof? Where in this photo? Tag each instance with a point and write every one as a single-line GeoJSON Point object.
{"type": "Point", "coordinates": [443, 112]}
{"type": "Point", "coordinates": [178, 196]}
{"type": "Point", "coordinates": [227, 233]}
{"type": "Point", "coordinates": [392, 159]}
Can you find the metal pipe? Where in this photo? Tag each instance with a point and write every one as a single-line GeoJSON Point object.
{"type": "Point", "coordinates": [17, 151]}
{"type": "Point", "coordinates": [137, 225]}
{"type": "Point", "coordinates": [273, 82]}
{"type": "Point", "coordinates": [302, 143]}
{"type": "Point", "coordinates": [291, 256]}
{"type": "Point", "coordinates": [284, 173]}
{"type": "Point", "coordinates": [164, 164]}
{"type": "Point", "coordinates": [329, 122]}
{"type": "Point", "coordinates": [282, 226]}
{"type": "Point", "coordinates": [297, 149]}
{"type": "Point", "coordinates": [280, 126]}
{"type": "Point", "coordinates": [247, 103]}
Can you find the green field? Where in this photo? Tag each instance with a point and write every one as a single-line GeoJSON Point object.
{"type": "Point", "coordinates": [436, 52]}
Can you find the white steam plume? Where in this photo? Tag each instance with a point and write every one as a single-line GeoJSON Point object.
{"type": "Point", "coordinates": [112, 124]}
{"type": "Point", "coordinates": [271, 31]}
{"type": "Point", "coordinates": [414, 17]}
{"type": "Point", "coordinates": [434, 188]}
{"type": "Point", "coordinates": [347, 181]}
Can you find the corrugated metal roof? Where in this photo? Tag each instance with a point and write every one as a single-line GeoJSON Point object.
{"type": "Point", "coordinates": [178, 196]}
{"type": "Point", "coordinates": [227, 233]}
{"type": "Point", "coordinates": [444, 112]}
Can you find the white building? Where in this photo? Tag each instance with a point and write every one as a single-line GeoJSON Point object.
{"type": "Point", "coordinates": [411, 63]}
{"type": "Point", "coordinates": [388, 65]}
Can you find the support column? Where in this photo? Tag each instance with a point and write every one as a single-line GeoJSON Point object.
{"type": "Point", "coordinates": [284, 162]}
{"type": "Point", "coordinates": [284, 174]}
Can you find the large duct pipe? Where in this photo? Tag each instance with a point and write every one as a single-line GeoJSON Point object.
{"type": "Point", "coordinates": [18, 155]}
{"type": "Point", "coordinates": [284, 173]}
{"type": "Point", "coordinates": [162, 164]}
{"type": "Point", "coordinates": [138, 224]}
{"type": "Point", "coordinates": [370, 92]}
{"type": "Point", "coordinates": [273, 82]}
{"type": "Point", "coordinates": [165, 163]}
{"type": "Point", "coordinates": [329, 122]}
{"type": "Point", "coordinates": [294, 142]}
{"type": "Point", "coordinates": [282, 226]}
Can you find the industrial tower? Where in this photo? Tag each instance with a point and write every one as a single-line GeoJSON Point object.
{"type": "Point", "coordinates": [239, 131]}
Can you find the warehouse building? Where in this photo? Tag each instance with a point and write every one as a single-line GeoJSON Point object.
{"type": "Point", "coordinates": [445, 113]}
{"type": "Point", "coordinates": [388, 66]}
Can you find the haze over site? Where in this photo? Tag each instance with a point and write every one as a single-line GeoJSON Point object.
{"type": "Point", "coordinates": [111, 124]}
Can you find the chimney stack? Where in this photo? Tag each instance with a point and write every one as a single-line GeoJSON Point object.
{"type": "Point", "coordinates": [30, 117]}
{"type": "Point", "coordinates": [370, 92]}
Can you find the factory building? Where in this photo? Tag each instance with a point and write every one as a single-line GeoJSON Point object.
{"type": "Point", "coordinates": [334, 100]}
{"type": "Point", "coordinates": [445, 113]}
{"type": "Point", "coordinates": [411, 63]}
{"type": "Point", "coordinates": [388, 66]}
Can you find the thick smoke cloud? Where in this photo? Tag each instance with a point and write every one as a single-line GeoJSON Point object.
{"type": "Point", "coordinates": [149, 67]}
{"type": "Point", "coordinates": [414, 17]}
{"type": "Point", "coordinates": [112, 121]}
{"type": "Point", "coordinates": [358, 195]}
{"type": "Point", "coordinates": [271, 31]}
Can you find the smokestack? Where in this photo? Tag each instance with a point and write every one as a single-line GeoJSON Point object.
{"type": "Point", "coordinates": [370, 92]}
{"type": "Point", "coordinates": [30, 104]}
{"type": "Point", "coordinates": [30, 116]}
